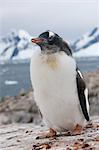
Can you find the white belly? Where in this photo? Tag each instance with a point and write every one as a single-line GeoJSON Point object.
{"type": "Point", "coordinates": [54, 84]}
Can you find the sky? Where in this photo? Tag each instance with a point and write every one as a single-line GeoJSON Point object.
{"type": "Point", "coordinates": [68, 18]}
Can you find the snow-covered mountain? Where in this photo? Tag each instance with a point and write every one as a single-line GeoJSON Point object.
{"type": "Point", "coordinates": [87, 45]}
{"type": "Point", "coordinates": [91, 51]}
{"type": "Point", "coordinates": [86, 40]}
{"type": "Point", "coordinates": [16, 46]}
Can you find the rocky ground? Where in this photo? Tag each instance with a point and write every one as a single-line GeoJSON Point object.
{"type": "Point", "coordinates": [23, 109]}
{"type": "Point", "coordinates": [92, 81]}
{"type": "Point", "coordinates": [20, 109]}
{"type": "Point", "coordinates": [23, 137]}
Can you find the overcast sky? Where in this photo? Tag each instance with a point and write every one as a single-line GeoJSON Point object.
{"type": "Point", "coordinates": [69, 18]}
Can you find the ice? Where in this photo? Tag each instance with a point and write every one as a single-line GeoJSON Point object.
{"type": "Point", "coordinates": [11, 82]}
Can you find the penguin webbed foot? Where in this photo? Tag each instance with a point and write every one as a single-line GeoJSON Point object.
{"type": "Point", "coordinates": [53, 134]}
{"type": "Point", "coordinates": [49, 134]}
{"type": "Point", "coordinates": [77, 130]}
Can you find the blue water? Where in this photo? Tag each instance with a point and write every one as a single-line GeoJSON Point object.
{"type": "Point", "coordinates": [15, 77]}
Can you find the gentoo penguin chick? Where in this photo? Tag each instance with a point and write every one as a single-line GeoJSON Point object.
{"type": "Point", "coordinates": [59, 88]}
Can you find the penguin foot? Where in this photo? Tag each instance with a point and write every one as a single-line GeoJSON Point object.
{"type": "Point", "coordinates": [50, 134]}
{"type": "Point", "coordinates": [78, 130]}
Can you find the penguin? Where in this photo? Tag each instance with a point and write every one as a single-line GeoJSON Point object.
{"type": "Point", "coordinates": [59, 87]}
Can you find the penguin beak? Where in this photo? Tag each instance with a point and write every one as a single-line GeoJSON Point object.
{"type": "Point", "coordinates": [37, 40]}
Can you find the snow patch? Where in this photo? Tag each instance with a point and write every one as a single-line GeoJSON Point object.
{"type": "Point", "coordinates": [91, 51]}
{"type": "Point", "coordinates": [10, 82]}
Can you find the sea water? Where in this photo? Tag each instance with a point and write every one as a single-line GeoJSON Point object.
{"type": "Point", "coordinates": [16, 76]}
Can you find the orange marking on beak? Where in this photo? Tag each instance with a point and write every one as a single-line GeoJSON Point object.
{"type": "Point", "coordinates": [36, 40]}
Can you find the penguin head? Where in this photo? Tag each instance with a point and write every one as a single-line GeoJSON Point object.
{"type": "Point", "coordinates": [51, 42]}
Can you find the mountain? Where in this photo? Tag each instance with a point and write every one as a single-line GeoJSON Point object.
{"type": "Point", "coordinates": [91, 51]}
{"type": "Point", "coordinates": [16, 45]}
{"type": "Point", "coordinates": [87, 45]}
{"type": "Point", "coordinates": [86, 40]}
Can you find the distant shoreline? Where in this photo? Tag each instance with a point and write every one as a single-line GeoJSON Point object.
{"type": "Point", "coordinates": [23, 61]}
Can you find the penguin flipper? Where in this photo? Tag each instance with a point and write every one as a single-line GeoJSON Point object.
{"type": "Point", "coordinates": [82, 94]}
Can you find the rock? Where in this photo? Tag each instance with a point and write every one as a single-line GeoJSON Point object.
{"type": "Point", "coordinates": [23, 117]}
{"type": "Point", "coordinates": [92, 80]}
{"type": "Point", "coordinates": [20, 108]}
{"type": "Point", "coordinates": [5, 118]}
{"type": "Point", "coordinates": [23, 137]}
